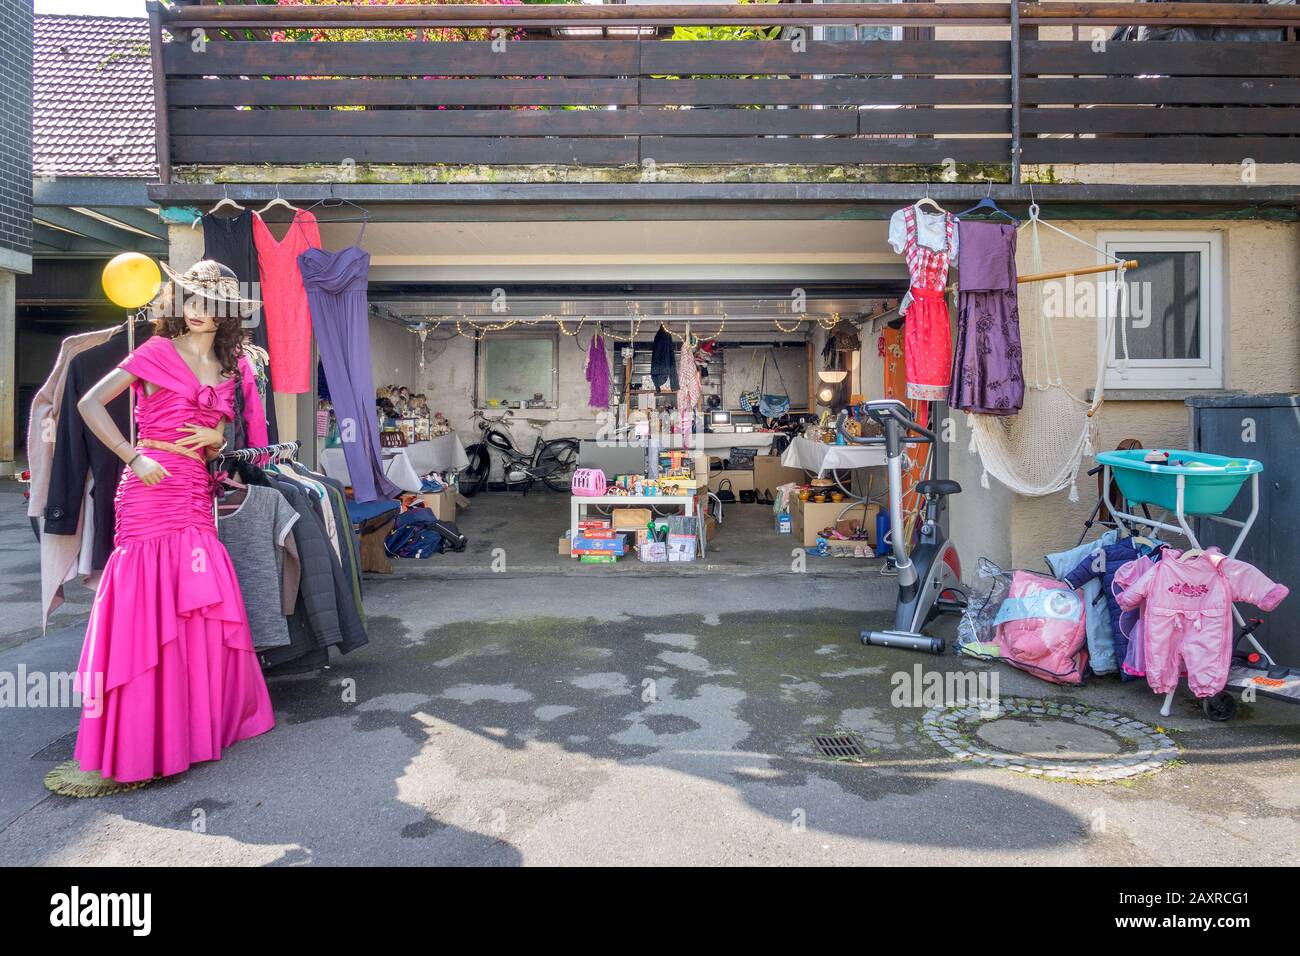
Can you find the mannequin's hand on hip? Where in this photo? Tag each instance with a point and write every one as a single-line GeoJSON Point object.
{"type": "Point", "coordinates": [148, 471]}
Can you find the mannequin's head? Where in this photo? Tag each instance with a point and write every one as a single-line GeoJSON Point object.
{"type": "Point", "coordinates": [205, 301]}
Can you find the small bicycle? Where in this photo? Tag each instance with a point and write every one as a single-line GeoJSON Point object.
{"type": "Point", "coordinates": [551, 462]}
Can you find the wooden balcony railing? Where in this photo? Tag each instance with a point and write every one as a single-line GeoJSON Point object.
{"type": "Point", "coordinates": [229, 93]}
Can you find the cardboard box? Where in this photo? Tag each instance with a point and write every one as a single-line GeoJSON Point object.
{"type": "Point", "coordinates": [442, 504]}
{"type": "Point", "coordinates": [631, 519]}
{"type": "Point", "coordinates": [807, 519]}
{"type": "Point", "coordinates": [683, 485]}
{"type": "Point", "coordinates": [566, 546]}
{"type": "Point", "coordinates": [585, 545]}
{"type": "Point", "coordinates": [770, 474]}
{"type": "Point", "coordinates": [854, 520]}
{"type": "Point", "coordinates": [740, 481]}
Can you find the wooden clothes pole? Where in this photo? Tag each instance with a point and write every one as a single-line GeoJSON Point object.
{"type": "Point", "coordinates": [1085, 271]}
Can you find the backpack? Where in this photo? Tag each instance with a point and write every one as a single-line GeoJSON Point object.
{"type": "Point", "coordinates": [414, 535]}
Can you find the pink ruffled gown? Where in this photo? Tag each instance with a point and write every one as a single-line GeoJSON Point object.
{"type": "Point", "coordinates": [168, 674]}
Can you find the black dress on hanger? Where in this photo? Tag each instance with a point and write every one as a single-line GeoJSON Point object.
{"type": "Point", "coordinates": [229, 240]}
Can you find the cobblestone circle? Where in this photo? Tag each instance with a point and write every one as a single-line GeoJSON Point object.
{"type": "Point", "coordinates": [1144, 748]}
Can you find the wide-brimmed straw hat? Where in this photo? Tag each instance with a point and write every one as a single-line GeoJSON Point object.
{"type": "Point", "coordinates": [216, 283]}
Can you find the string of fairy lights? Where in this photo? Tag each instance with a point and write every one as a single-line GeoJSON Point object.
{"type": "Point", "coordinates": [473, 327]}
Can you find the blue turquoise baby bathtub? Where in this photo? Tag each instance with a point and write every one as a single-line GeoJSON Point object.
{"type": "Point", "coordinates": [1210, 482]}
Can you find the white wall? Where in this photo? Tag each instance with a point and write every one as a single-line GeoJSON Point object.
{"type": "Point", "coordinates": [394, 354]}
{"type": "Point", "coordinates": [448, 381]}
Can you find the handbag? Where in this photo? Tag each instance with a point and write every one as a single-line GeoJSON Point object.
{"type": "Point", "coordinates": [773, 406]}
{"type": "Point", "coordinates": [724, 492]}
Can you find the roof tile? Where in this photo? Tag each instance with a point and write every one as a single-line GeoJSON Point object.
{"type": "Point", "coordinates": [92, 103]}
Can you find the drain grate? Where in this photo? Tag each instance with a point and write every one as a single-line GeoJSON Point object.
{"type": "Point", "coordinates": [838, 745]}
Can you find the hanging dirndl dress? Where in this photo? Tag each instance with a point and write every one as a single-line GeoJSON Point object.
{"type": "Point", "coordinates": [927, 337]}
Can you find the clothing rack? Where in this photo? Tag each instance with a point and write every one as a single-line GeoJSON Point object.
{"type": "Point", "coordinates": [280, 451]}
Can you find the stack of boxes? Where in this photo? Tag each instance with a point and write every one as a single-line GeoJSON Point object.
{"type": "Point", "coordinates": [597, 542]}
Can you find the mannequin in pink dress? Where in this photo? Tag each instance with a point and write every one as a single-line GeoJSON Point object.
{"type": "Point", "coordinates": [168, 674]}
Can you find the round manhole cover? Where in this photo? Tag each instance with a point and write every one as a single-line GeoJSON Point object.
{"type": "Point", "coordinates": [1049, 738]}
{"type": "Point", "coordinates": [1044, 738]}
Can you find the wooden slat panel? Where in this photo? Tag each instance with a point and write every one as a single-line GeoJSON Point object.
{"type": "Point", "coordinates": [1169, 149]}
{"type": "Point", "coordinates": [934, 121]}
{"type": "Point", "coordinates": [333, 149]}
{"type": "Point", "coordinates": [1190, 90]}
{"type": "Point", "coordinates": [757, 57]}
{"type": "Point", "coordinates": [1145, 119]}
{"type": "Point", "coordinates": [624, 122]}
{"type": "Point", "coordinates": [402, 58]}
{"type": "Point", "coordinates": [703, 150]}
{"type": "Point", "coordinates": [1171, 59]}
{"type": "Point", "coordinates": [841, 91]}
{"type": "Point", "coordinates": [555, 91]}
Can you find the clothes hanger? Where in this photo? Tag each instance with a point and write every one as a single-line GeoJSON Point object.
{"type": "Point", "coordinates": [989, 204]}
{"type": "Point", "coordinates": [277, 201]}
{"type": "Point", "coordinates": [927, 201]}
{"type": "Point", "coordinates": [225, 200]}
{"type": "Point", "coordinates": [334, 202]}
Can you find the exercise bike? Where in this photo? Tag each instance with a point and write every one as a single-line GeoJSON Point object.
{"type": "Point", "coordinates": [929, 579]}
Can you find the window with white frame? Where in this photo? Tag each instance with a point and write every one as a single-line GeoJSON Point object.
{"type": "Point", "coordinates": [1173, 333]}
{"type": "Point", "coordinates": [861, 31]}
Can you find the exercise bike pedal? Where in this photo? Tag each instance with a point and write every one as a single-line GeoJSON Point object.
{"type": "Point", "coordinates": [907, 640]}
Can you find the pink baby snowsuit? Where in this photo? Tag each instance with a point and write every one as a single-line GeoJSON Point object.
{"type": "Point", "coordinates": [1187, 616]}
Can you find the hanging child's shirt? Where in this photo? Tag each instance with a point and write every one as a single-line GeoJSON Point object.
{"type": "Point", "coordinates": [1187, 616]}
{"type": "Point", "coordinates": [1104, 562]}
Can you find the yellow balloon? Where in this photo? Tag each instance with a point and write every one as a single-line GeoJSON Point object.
{"type": "Point", "coordinates": [131, 280]}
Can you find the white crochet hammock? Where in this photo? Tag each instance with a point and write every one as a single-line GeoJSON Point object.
{"type": "Point", "coordinates": [1040, 450]}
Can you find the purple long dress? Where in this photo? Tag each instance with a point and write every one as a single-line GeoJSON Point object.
{"type": "Point", "coordinates": [986, 369]}
{"type": "Point", "coordinates": [336, 284]}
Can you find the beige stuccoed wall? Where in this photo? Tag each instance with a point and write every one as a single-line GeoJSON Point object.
{"type": "Point", "coordinates": [1262, 354]}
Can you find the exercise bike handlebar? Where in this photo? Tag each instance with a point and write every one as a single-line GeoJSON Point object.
{"type": "Point", "coordinates": [885, 411]}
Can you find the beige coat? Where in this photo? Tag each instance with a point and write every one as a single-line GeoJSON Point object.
{"type": "Point", "coordinates": [59, 552]}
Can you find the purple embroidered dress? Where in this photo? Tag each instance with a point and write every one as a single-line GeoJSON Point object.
{"type": "Point", "coordinates": [986, 369]}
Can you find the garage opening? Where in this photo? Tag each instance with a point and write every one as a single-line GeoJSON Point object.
{"type": "Point", "coordinates": [493, 399]}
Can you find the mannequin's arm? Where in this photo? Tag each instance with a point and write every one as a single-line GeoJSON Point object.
{"type": "Point", "coordinates": [94, 412]}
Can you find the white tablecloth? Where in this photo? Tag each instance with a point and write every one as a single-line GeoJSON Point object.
{"type": "Point", "coordinates": [397, 466]}
{"type": "Point", "coordinates": [820, 457]}
{"type": "Point", "coordinates": [404, 466]}
{"type": "Point", "coordinates": [444, 453]}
